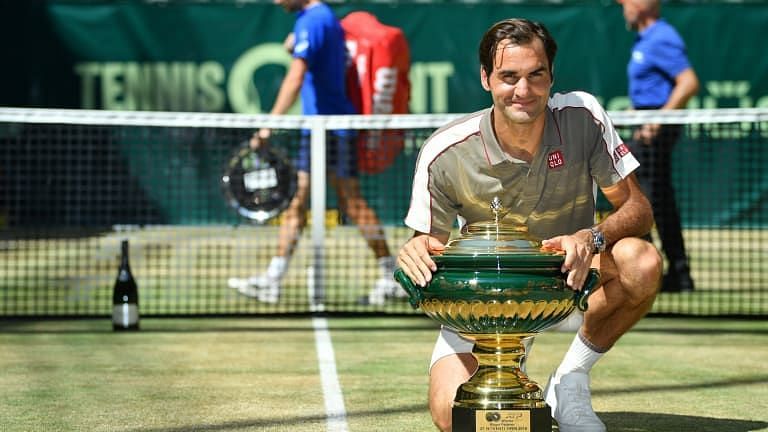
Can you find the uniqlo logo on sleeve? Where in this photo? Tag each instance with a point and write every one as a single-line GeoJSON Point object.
{"type": "Point", "coordinates": [620, 152]}
{"type": "Point", "coordinates": [555, 159]}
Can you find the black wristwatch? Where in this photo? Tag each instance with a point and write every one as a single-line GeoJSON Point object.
{"type": "Point", "coordinates": [598, 241]}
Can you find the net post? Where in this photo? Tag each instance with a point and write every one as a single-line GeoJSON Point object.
{"type": "Point", "coordinates": [317, 200]}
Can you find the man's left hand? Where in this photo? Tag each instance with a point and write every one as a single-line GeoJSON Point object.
{"type": "Point", "coordinates": [578, 256]}
{"type": "Point", "coordinates": [647, 133]}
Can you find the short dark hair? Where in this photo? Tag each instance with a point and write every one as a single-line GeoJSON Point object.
{"type": "Point", "coordinates": [519, 31]}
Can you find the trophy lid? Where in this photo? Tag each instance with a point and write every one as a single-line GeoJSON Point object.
{"type": "Point", "coordinates": [495, 244]}
{"type": "Point", "coordinates": [490, 237]}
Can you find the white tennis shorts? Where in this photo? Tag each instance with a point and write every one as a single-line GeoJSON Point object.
{"type": "Point", "coordinates": [449, 342]}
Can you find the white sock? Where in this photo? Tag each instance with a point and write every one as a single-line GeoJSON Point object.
{"type": "Point", "coordinates": [387, 266]}
{"type": "Point", "coordinates": [277, 267]}
{"type": "Point", "coordinates": [581, 356]}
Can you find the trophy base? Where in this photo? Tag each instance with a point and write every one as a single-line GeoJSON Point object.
{"type": "Point", "coordinates": [502, 420]}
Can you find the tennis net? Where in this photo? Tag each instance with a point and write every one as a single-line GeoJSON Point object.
{"type": "Point", "coordinates": [74, 183]}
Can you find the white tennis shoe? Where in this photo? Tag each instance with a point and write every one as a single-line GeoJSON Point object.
{"type": "Point", "coordinates": [383, 289]}
{"type": "Point", "coordinates": [262, 288]}
{"type": "Point", "coordinates": [571, 402]}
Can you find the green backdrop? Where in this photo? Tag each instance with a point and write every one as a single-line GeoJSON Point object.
{"type": "Point", "coordinates": [225, 56]}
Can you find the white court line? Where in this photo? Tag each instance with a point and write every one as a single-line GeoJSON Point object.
{"type": "Point", "coordinates": [336, 414]}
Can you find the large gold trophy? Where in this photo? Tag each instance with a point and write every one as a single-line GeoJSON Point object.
{"type": "Point", "coordinates": [496, 285]}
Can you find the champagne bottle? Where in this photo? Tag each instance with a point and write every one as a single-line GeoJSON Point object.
{"type": "Point", "coordinates": [125, 296]}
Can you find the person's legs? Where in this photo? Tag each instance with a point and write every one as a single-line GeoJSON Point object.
{"type": "Point", "coordinates": [630, 273]}
{"type": "Point", "coordinates": [343, 161]}
{"type": "Point", "coordinates": [655, 178]}
{"type": "Point", "coordinates": [451, 365]}
{"type": "Point", "coordinates": [666, 213]}
{"type": "Point", "coordinates": [266, 286]}
{"type": "Point", "coordinates": [342, 156]}
{"type": "Point", "coordinates": [356, 208]}
{"type": "Point", "coordinates": [294, 218]}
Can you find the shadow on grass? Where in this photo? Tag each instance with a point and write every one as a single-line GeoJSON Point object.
{"type": "Point", "coordinates": [282, 422]}
{"type": "Point", "coordinates": [615, 422]}
{"type": "Point", "coordinates": [709, 331]}
{"type": "Point", "coordinates": [652, 422]}
{"type": "Point", "coordinates": [201, 326]}
{"type": "Point", "coordinates": [692, 386]}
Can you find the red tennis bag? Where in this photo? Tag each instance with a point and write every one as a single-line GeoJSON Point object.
{"type": "Point", "coordinates": [377, 83]}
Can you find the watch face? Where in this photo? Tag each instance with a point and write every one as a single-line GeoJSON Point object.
{"type": "Point", "coordinates": [598, 241]}
{"type": "Point", "coordinates": [258, 184]}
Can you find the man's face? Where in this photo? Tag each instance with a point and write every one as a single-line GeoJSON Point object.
{"type": "Point", "coordinates": [520, 81]}
{"type": "Point", "coordinates": [632, 12]}
{"type": "Point", "coordinates": [291, 5]}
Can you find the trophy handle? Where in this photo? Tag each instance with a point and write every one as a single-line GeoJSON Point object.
{"type": "Point", "coordinates": [580, 297]}
{"type": "Point", "coordinates": [414, 294]}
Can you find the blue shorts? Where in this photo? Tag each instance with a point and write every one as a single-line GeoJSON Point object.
{"type": "Point", "coordinates": [340, 153]}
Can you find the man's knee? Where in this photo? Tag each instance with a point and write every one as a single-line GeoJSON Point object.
{"type": "Point", "coordinates": [440, 407]}
{"type": "Point", "coordinates": [442, 421]}
{"type": "Point", "coordinates": [441, 394]}
{"type": "Point", "coordinates": [640, 266]}
{"type": "Point", "coordinates": [446, 375]}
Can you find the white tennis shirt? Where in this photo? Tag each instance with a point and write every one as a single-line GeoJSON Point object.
{"type": "Point", "coordinates": [462, 167]}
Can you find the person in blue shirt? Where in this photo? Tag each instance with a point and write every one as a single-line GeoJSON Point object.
{"type": "Point", "coordinates": [317, 73]}
{"type": "Point", "coordinates": [660, 77]}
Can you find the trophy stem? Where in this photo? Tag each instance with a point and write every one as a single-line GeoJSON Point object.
{"type": "Point", "coordinates": [499, 383]}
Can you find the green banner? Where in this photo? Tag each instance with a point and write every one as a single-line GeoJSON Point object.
{"type": "Point", "coordinates": [227, 57]}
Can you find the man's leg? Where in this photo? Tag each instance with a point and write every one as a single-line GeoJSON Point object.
{"type": "Point", "coordinates": [630, 273]}
{"type": "Point", "coordinates": [356, 208]}
{"type": "Point", "coordinates": [294, 218]}
{"type": "Point", "coordinates": [666, 214]}
{"type": "Point", "coordinates": [445, 377]}
{"type": "Point", "coordinates": [266, 286]}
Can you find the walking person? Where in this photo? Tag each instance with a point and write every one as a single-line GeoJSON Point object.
{"type": "Point", "coordinates": [660, 77]}
{"type": "Point", "coordinates": [317, 72]}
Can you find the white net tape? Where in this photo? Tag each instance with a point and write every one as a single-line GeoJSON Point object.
{"type": "Point", "coordinates": [404, 121]}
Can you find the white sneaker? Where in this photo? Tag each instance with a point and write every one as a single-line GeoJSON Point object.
{"type": "Point", "coordinates": [243, 286]}
{"type": "Point", "coordinates": [571, 402]}
{"type": "Point", "coordinates": [263, 288]}
{"type": "Point", "coordinates": [384, 288]}
{"type": "Point", "coordinates": [398, 291]}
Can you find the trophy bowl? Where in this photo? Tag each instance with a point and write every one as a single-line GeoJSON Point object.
{"type": "Point", "coordinates": [496, 285]}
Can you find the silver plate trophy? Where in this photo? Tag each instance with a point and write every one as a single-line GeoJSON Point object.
{"type": "Point", "coordinates": [258, 184]}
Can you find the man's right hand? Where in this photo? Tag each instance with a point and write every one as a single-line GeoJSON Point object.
{"type": "Point", "coordinates": [415, 257]}
{"type": "Point", "coordinates": [260, 138]}
{"type": "Point", "coordinates": [646, 133]}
